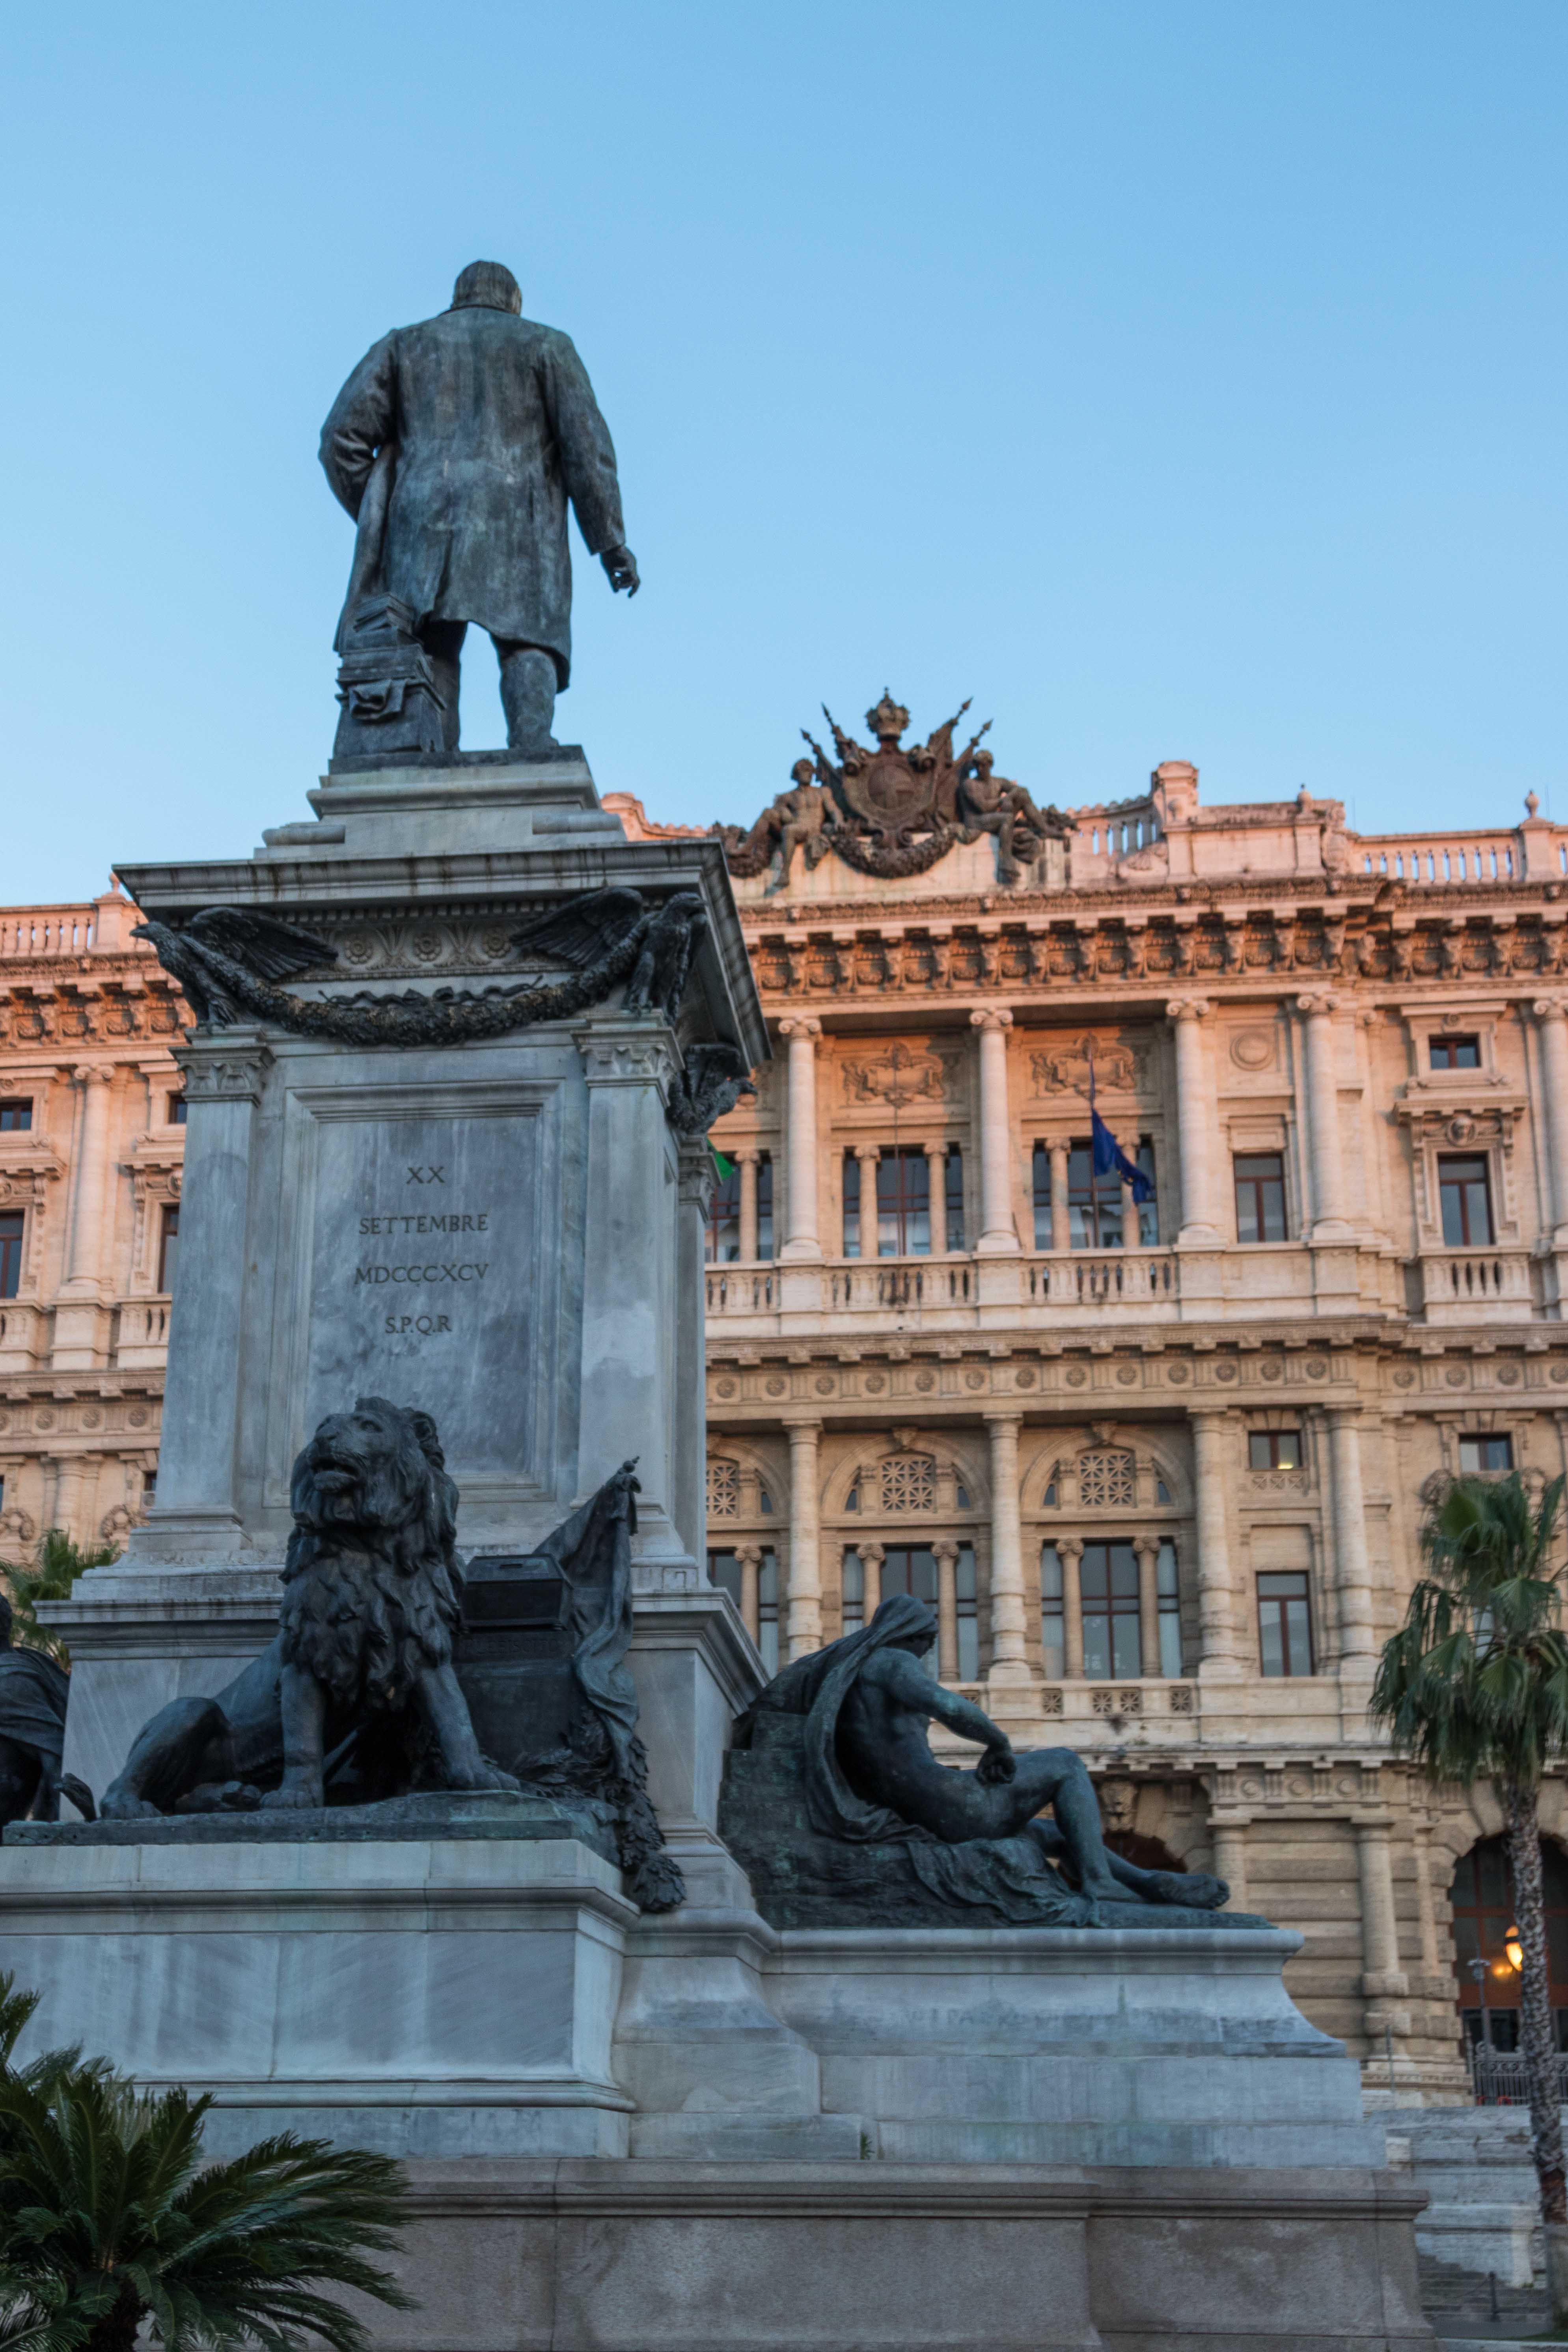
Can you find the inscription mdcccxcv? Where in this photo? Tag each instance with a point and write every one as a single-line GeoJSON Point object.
{"type": "Point", "coordinates": [422, 1272]}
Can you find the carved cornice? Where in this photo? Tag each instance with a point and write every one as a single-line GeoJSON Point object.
{"type": "Point", "coordinates": [231, 1073]}
{"type": "Point", "coordinates": [929, 949]}
{"type": "Point", "coordinates": [628, 1053]}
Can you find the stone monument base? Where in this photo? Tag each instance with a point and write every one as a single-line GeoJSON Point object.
{"type": "Point", "coordinates": [695, 2130]}
{"type": "Point", "coordinates": [669, 2257]}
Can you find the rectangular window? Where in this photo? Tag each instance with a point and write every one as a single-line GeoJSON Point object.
{"type": "Point", "coordinates": [168, 1246]}
{"type": "Point", "coordinates": [1053, 1646]}
{"type": "Point", "coordinates": [851, 1205]}
{"type": "Point", "coordinates": [724, 1571]}
{"type": "Point", "coordinates": [178, 1107]}
{"type": "Point", "coordinates": [10, 1252]}
{"type": "Point", "coordinates": [910, 1567]}
{"type": "Point", "coordinates": [1260, 1196]}
{"type": "Point", "coordinates": [967, 1593]}
{"type": "Point", "coordinates": [721, 1234]}
{"type": "Point", "coordinates": [1455, 1053]}
{"type": "Point", "coordinates": [15, 1115]}
{"type": "Point", "coordinates": [952, 1176]}
{"type": "Point", "coordinates": [766, 1206]}
{"type": "Point", "coordinates": [1147, 1211]}
{"type": "Point", "coordinates": [1467, 1200]}
{"type": "Point", "coordinates": [1168, 1596]}
{"type": "Point", "coordinates": [768, 1610]}
{"type": "Point", "coordinates": [1284, 1624]}
{"type": "Point", "coordinates": [1108, 1580]}
{"type": "Point", "coordinates": [1479, 1455]}
{"type": "Point", "coordinates": [1094, 1202]}
{"type": "Point", "coordinates": [1095, 1219]}
{"type": "Point", "coordinates": [853, 1588]}
{"type": "Point", "coordinates": [903, 1204]}
{"type": "Point", "coordinates": [1042, 1192]}
{"type": "Point", "coordinates": [148, 1490]}
{"type": "Point", "coordinates": [1274, 1449]}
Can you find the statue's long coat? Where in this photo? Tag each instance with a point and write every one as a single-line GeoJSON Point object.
{"type": "Point", "coordinates": [494, 428]}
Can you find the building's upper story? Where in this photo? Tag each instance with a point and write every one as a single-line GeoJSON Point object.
{"type": "Point", "coordinates": [91, 1144]}
{"type": "Point", "coordinates": [1341, 1059]}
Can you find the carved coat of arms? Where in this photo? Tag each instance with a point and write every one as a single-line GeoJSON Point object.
{"type": "Point", "coordinates": [891, 811]}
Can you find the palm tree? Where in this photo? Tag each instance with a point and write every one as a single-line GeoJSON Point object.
{"type": "Point", "coordinates": [107, 2219]}
{"type": "Point", "coordinates": [1475, 1686]}
{"type": "Point", "coordinates": [49, 1576]}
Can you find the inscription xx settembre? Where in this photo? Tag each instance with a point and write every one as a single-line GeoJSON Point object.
{"type": "Point", "coordinates": [416, 1224]}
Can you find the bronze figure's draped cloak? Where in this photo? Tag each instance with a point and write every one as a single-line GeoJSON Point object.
{"type": "Point", "coordinates": [457, 446]}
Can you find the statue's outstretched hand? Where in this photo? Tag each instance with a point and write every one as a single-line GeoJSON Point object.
{"type": "Point", "coordinates": [621, 570]}
{"type": "Point", "coordinates": [997, 1766]}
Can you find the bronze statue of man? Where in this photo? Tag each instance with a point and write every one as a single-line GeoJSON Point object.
{"type": "Point", "coordinates": [456, 445]}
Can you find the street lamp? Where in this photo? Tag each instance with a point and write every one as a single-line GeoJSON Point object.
{"type": "Point", "coordinates": [1514, 1949]}
{"type": "Point", "coordinates": [1478, 1969]}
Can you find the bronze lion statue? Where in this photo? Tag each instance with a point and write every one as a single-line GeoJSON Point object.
{"type": "Point", "coordinates": [362, 1663]}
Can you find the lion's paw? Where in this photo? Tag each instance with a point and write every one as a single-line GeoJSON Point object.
{"type": "Point", "coordinates": [297, 1796]}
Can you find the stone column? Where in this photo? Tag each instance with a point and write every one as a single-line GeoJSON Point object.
{"type": "Point", "coordinates": [936, 1182]}
{"type": "Point", "coordinates": [1323, 1112]}
{"type": "Point", "coordinates": [802, 1625]}
{"type": "Point", "coordinates": [626, 1406]}
{"type": "Point", "coordinates": [1147, 1547]}
{"type": "Point", "coordinates": [750, 1556]}
{"type": "Point", "coordinates": [946, 1552]}
{"type": "Point", "coordinates": [80, 1339]}
{"type": "Point", "coordinates": [747, 1163]}
{"type": "Point", "coordinates": [1382, 1976]}
{"type": "Point", "coordinates": [1069, 1552]}
{"type": "Point", "coordinates": [868, 1156]}
{"type": "Point", "coordinates": [1553, 1015]}
{"type": "Point", "coordinates": [89, 1192]}
{"type": "Point", "coordinates": [1352, 1568]}
{"type": "Point", "coordinates": [195, 1517]}
{"type": "Point", "coordinates": [1009, 1653]}
{"type": "Point", "coordinates": [1212, 1470]}
{"type": "Point", "coordinates": [689, 1477]}
{"type": "Point", "coordinates": [1130, 1236]}
{"type": "Point", "coordinates": [802, 1239]}
{"type": "Point", "coordinates": [1061, 1214]}
{"type": "Point", "coordinates": [1195, 1120]}
{"type": "Point", "coordinates": [872, 1555]}
{"type": "Point", "coordinates": [1229, 1839]}
{"type": "Point", "coordinates": [998, 1233]}
{"type": "Point", "coordinates": [73, 1496]}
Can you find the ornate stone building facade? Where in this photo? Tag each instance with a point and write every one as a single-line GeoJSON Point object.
{"type": "Point", "coordinates": [91, 1143]}
{"type": "Point", "coordinates": [1159, 1464]}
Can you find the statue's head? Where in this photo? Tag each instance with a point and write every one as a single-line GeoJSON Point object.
{"type": "Point", "coordinates": [487, 286]}
{"type": "Point", "coordinates": [378, 1472]}
{"type": "Point", "coordinates": [903, 1622]}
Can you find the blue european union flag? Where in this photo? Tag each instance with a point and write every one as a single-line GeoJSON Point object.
{"type": "Point", "coordinates": [1109, 1158]}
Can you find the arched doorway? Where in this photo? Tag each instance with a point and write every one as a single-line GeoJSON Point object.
{"type": "Point", "coordinates": [1148, 1852]}
{"type": "Point", "coordinates": [1482, 1897]}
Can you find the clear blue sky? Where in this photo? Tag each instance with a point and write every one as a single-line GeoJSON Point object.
{"type": "Point", "coordinates": [1177, 382]}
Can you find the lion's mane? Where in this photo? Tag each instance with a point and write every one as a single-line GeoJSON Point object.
{"type": "Point", "coordinates": [371, 1582]}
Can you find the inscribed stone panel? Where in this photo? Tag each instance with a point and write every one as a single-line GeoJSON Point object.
{"type": "Point", "coordinates": [424, 1246]}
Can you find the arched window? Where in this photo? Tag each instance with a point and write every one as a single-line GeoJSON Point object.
{"type": "Point", "coordinates": [1482, 1897]}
